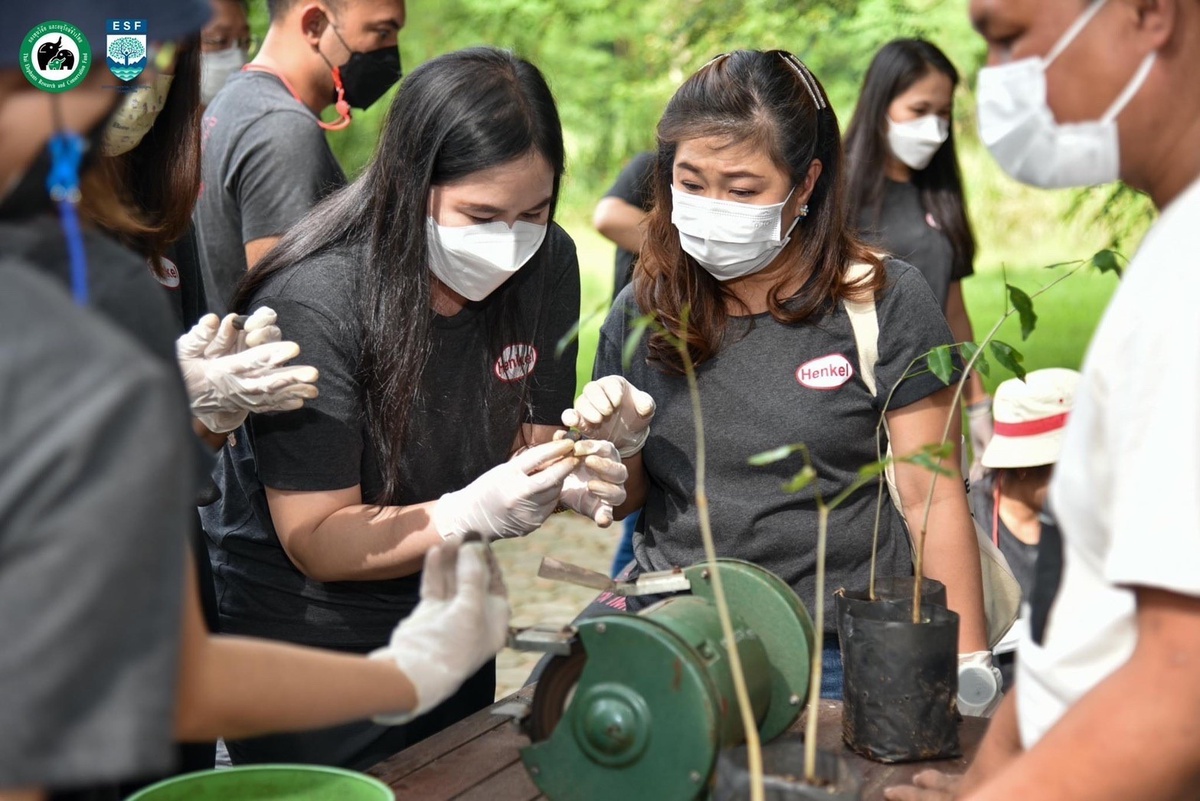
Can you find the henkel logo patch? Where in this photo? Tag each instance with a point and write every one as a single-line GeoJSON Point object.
{"type": "Point", "coordinates": [826, 372]}
{"type": "Point", "coordinates": [170, 274]}
{"type": "Point", "coordinates": [516, 362]}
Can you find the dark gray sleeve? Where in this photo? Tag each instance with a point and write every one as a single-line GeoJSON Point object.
{"type": "Point", "coordinates": [320, 446]}
{"type": "Point", "coordinates": [911, 324]}
{"type": "Point", "coordinates": [281, 168]}
{"type": "Point", "coordinates": [613, 335]}
{"type": "Point", "coordinates": [634, 184]}
{"type": "Point", "coordinates": [95, 498]}
{"type": "Point", "coordinates": [553, 387]}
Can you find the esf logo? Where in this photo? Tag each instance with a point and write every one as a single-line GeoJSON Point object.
{"type": "Point", "coordinates": [126, 47]}
{"type": "Point", "coordinates": [55, 56]}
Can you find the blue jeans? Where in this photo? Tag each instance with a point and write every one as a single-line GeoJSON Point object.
{"type": "Point", "coordinates": [625, 550]}
{"type": "Point", "coordinates": [831, 669]}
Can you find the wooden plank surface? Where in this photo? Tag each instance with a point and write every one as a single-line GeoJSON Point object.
{"type": "Point", "coordinates": [479, 759]}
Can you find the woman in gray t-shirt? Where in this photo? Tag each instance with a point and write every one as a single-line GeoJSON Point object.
{"type": "Point", "coordinates": [748, 239]}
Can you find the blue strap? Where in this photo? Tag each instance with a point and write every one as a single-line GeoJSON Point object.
{"type": "Point", "coordinates": [66, 153]}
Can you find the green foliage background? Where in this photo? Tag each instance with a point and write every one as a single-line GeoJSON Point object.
{"type": "Point", "coordinates": [613, 64]}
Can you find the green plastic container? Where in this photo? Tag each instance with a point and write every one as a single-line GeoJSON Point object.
{"type": "Point", "coordinates": [268, 783]}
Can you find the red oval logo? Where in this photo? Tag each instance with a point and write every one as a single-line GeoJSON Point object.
{"type": "Point", "coordinates": [516, 362]}
{"type": "Point", "coordinates": [826, 372]}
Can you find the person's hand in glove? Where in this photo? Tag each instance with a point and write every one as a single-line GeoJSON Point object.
{"type": "Point", "coordinates": [460, 623]}
{"type": "Point", "coordinates": [597, 485]}
{"type": "Point", "coordinates": [610, 408]}
{"type": "Point", "coordinates": [511, 499]}
{"type": "Point", "coordinates": [979, 422]}
{"type": "Point", "coordinates": [229, 373]}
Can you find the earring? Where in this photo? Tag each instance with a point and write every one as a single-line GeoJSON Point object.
{"type": "Point", "coordinates": [803, 210]}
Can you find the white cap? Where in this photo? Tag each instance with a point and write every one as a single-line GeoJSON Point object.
{"type": "Point", "coordinates": [1029, 418]}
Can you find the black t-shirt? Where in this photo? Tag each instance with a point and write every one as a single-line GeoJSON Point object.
{"type": "Point", "coordinates": [770, 385]}
{"type": "Point", "coordinates": [635, 186]}
{"type": "Point", "coordinates": [182, 279]}
{"type": "Point", "coordinates": [325, 445]}
{"type": "Point", "coordinates": [265, 163]}
{"type": "Point", "coordinates": [906, 230]}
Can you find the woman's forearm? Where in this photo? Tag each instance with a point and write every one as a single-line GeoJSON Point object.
{"type": "Point", "coordinates": [952, 557]}
{"type": "Point", "coordinates": [635, 487]}
{"type": "Point", "coordinates": [356, 542]}
{"type": "Point", "coordinates": [239, 687]}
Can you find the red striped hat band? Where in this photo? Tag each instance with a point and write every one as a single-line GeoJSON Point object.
{"type": "Point", "coordinates": [1029, 428]}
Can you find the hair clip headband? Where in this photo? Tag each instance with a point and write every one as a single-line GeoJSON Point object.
{"type": "Point", "coordinates": [806, 77]}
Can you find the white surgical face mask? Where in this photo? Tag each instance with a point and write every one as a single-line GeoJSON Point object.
{"type": "Point", "coordinates": [215, 69]}
{"type": "Point", "coordinates": [135, 117]}
{"type": "Point", "coordinates": [729, 239]}
{"type": "Point", "coordinates": [1018, 126]}
{"type": "Point", "coordinates": [474, 260]}
{"type": "Point", "coordinates": [914, 142]}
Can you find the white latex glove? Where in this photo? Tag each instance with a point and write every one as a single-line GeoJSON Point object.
{"type": "Point", "coordinates": [229, 373]}
{"type": "Point", "coordinates": [511, 499]}
{"type": "Point", "coordinates": [979, 684]}
{"type": "Point", "coordinates": [597, 484]}
{"type": "Point", "coordinates": [613, 409]}
{"type": "Point", "coordinates": [979, 422]}
{"type": "Point", "coordinates": [460, 623]}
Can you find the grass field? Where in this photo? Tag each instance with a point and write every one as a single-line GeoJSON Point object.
{"type": "Point", "coordinates": [1067, 313]}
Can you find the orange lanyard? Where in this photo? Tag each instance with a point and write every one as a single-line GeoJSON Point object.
{"type": "Point", "coordinates": [343, 108]}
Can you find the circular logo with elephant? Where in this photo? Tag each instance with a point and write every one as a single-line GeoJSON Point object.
{"type": "Point", "coordinates": [55, 56]}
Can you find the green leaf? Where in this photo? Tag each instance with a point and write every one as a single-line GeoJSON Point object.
{"type": "Point", "coordinates": [940, 363]}
{"type": "Point", "coordinates": [636, 331]}
{"type": "Point", "coordinates": [1024, 306]}
{"type": "Point", "coordinates": [873, 469]}
{"type": "Point", "coordinates": [931, 458]}
{"type": "Point", "coordinates": [1107, 261]}
{"type": "Point", "coordinates": [801, 479]}
{"type": "Point", "coordinates": [1008, 357]}
{"type": "Point", "coordinates": [969, 351]}
{"type": "Point", "coordinates": [773, 455]}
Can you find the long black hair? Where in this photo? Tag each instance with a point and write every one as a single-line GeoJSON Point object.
{"type": "Point", "coordinates": [771, 100]}
{"type": "Point", "coordinates": [895, 68]}
{"type": "Point", "coordinates": [453, 116]}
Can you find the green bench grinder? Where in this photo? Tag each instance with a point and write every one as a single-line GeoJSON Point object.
{"type": "Point", "coordinates": [641, 704]}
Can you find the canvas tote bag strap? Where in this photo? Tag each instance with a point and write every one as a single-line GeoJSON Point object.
{"type": "Point", "coordinates": [1001, 592]}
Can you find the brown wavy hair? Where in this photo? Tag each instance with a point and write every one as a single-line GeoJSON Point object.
{"type": "Point", "coordinates": [771, 100]}
{"type": "Point", "coordinates": [144, 198]}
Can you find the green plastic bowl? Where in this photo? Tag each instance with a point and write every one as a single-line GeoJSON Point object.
{"type": "Point", "coordinates": [268, 783]}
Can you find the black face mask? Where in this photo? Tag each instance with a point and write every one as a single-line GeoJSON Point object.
{"type": "Point", "coordinates": [366, 77]}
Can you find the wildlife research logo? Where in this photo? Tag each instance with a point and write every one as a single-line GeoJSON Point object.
{"type": "Point", "coordinates": [55, 56]}
{"type": "Point", "coordinates": [126, 43]}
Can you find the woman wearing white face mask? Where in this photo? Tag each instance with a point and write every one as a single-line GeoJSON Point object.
{"type": "Point", "coordinates": [430, 294]}
{"type": "Point", "coordinates": [906, 191]}
{"type": "Point", "coordinates": [748, 238]}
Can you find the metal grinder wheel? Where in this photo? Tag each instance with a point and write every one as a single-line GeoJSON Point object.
{"type": "Point", "coordinates": [554, 692]}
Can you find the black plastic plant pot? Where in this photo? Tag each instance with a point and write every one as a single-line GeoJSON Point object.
{"type": "Point", "coordinates": [783, 775]}
{"type": "Point", "coordinates": [900, 684]}
{"type": "Point", "coordinates": [888, 589]}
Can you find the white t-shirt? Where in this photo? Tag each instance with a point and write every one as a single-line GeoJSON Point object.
{"type": "Point", "coordinates": [1127, 487]}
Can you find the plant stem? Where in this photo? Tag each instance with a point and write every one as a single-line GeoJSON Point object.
{"type": "Point", "coordinates": [753, 745]}
{"type": "Point", "coordinates": [919, 562]}
{"type": "Point", "coordinates": [814, 687]}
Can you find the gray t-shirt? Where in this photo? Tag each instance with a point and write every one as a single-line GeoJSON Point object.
{"type": "Point", "coordinates": [265, 164]}
{"type": "Point", "coordinates": [905, 229]}
{"type": "Point", "coordinates": [762, 390]}
{"type": "Point", "coordinates": [94, 509]}
{"type": "Point", "coordinates": [326, 446]}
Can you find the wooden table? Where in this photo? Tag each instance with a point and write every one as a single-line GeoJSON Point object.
{"type": "Point", "coordinates": [479, 759]}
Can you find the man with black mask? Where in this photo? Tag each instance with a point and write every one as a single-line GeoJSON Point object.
{"type": "Point", "coordinates": [265, 158]}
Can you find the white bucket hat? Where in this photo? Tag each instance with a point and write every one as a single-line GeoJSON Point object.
{"type": "Point", "coordinates": [1029, 418]}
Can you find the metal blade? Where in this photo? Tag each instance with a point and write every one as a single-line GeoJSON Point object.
{"type": "Point", "coordinates": [556, 570]}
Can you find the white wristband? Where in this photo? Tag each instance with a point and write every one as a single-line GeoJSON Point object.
{"type": "Point", "coordinates": [636, 446]}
